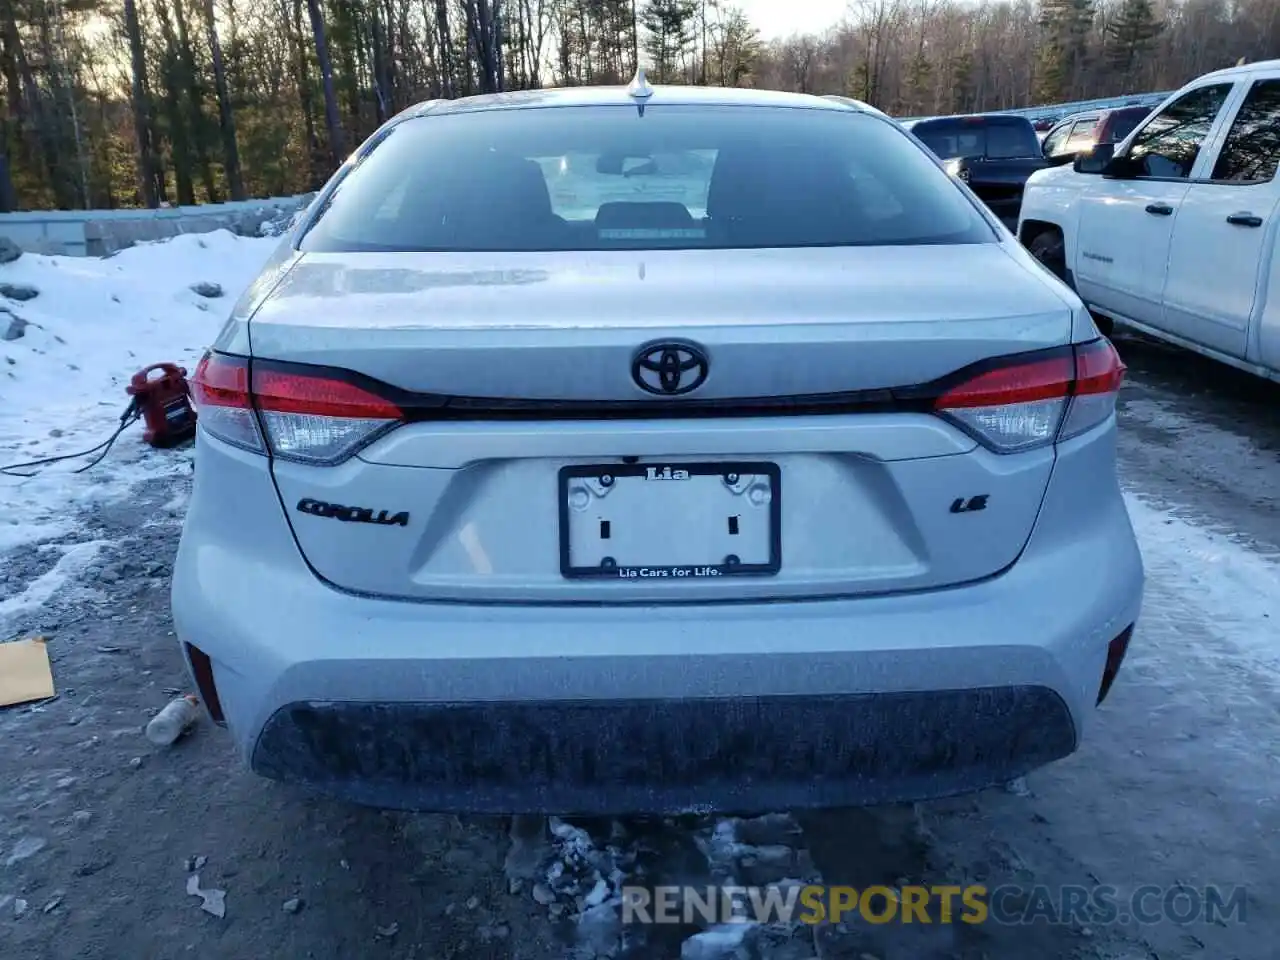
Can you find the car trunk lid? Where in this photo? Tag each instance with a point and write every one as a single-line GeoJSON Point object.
{"type": "Point", "coordinates": [565, 326]}
{"type": "Point", "coordinates": [509, 502]}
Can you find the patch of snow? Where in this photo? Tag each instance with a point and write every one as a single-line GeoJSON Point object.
{"type": "Point", "coordinates": [281, 223]}
{"type": "Point", "coordinates": [721, 847]}
{"type": "Point", "coordinates": [719, 941]}
{"type": "Point", "coordinates": [598, 894]}
{"type": "Point", "coordinates": [74, 561]}
{"type": "Point", "coordinates": [95, 323]}
{"type": "Point", "coordinates": [16, 530]}
{"type": "Point", "coordinates": [24, 849]}
{"type": "Point", "coordinates": [584, 882]}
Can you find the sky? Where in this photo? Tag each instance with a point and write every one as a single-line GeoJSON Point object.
{"type": "Point", "coordinates": [777, 19]}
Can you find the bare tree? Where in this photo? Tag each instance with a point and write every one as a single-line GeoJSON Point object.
{"type": "Point", "coordinates": [336, 147]}
{"type": "Point", "coordinates": [127, 115]}
{"type": "Point", "coordinates": [149, 185]}
{"type": "Point", "coordinates": [226, 116]}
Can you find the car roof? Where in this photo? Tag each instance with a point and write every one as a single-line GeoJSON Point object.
{"type": "Point", "coordinates": [975, 118]}
{"type": "Point", "coordinates": [617, 95]}
{"type": "Point", "coordinates": [1241, 70]}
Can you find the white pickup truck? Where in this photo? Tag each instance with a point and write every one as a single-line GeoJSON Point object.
{"type": "Point", "coordinates": [1173, 231]}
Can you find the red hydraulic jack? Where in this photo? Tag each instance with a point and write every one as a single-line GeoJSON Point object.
{"type": "Point", "coordinates": [164, 402]}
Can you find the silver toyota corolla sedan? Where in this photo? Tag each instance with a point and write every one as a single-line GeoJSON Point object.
{"type": "Point", "coordinates": [653, 449]}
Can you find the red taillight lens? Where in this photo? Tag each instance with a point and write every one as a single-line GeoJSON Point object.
{"type": "Point", "coordinates": [1022, 383]}
{"type": "Point", "coordinates": [1099, 374]}
{"type": "Point", "coordinates": [1032, 401]}
{"type": "Point", "coordinates": [220, 392]}
{"type": "Point", "coordinates": [286, 392]}
{"type": "Point", "coordinates": [1015, 407]}
{"type": "Point", "coordinates": [318, 418]}
{"type": "Point", "coordinates": [310, 415]}
{"type": "Point", "coordinates": [221, 381]}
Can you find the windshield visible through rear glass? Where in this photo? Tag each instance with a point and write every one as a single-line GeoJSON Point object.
{"type": "Point", "coordinates": [608, 177]}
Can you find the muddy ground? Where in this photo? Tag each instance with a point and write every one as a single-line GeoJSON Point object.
{"type": "Point", "coordinates": [1179, 783]}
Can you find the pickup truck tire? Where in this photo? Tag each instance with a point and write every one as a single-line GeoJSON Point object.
{"type": "Point", "coordinates": [1047, 247]}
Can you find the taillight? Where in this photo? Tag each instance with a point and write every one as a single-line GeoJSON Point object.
{"type": "Point", "coordinates": [220, 392]}
{"type": "Point", "coordinates": [316, 418]}
{"type": "Point", "coordinates": [309, 415]}
{"type": "Point", "coordinates": [1034, 400]}
{"type": "Point", "coordinates": [1099, 373]}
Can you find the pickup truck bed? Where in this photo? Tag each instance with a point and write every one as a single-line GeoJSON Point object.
{"type": "Point", "coordinates": [999, 183]}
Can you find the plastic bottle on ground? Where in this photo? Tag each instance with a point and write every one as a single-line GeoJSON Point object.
{"type": "Point", "coordinates": [174, 720]}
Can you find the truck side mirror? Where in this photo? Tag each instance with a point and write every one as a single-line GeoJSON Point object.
{"type": "Point", "coordinates": [1096, 160]}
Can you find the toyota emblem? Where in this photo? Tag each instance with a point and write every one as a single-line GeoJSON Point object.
{"type": "Point", "coordinates": [670, 367]}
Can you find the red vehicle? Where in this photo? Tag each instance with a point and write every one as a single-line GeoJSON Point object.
{"type": "Point", "coordinates": [1083, 131]}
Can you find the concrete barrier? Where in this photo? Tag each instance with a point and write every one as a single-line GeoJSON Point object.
{"type": "Point", "coordinates": [96, 233]}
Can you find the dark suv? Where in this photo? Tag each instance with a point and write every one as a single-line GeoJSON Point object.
{"type": "Point", "coordinates": [993, 153]}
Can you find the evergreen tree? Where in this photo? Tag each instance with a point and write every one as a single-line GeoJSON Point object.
{"type": "Point", "coordinates": [735, 49]}
{"type": "Point", "coordinates": [669, 27]}
{"type": "Point", "coordinates": [1064, 30]}
{"type": "Point", "coordinates": [1129, 37]}
{"type": "Point", "coordinates": [919, 85]}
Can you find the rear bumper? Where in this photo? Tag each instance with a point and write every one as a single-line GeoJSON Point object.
{"type": "Point", "coordinates": [739, 754]}
{"type": "Point", "coordinates": [592, 709]}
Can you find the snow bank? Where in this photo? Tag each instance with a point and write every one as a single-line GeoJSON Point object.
{"type": "Point", "coordinates": [93, 325]}
{"type": "Point", "coordinates": [72, 561]}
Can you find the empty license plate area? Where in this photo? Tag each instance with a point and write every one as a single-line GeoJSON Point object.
{"type": "Point", "coordinates": [672, 520]}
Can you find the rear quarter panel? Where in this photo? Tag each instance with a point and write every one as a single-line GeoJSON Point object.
{"type": "Point", "coordinates": [234, 336]}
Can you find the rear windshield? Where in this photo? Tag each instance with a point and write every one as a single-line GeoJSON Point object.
{"type": "Point", "coordinates": [991, 139]}
{"type": "Point", "coordinates": [608, 178]}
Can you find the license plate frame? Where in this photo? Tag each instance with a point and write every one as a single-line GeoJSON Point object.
{"type": "Point", "coordinates": [672, 571]}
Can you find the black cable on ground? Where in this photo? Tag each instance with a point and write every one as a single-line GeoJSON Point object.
{"type": "Point", "coordinates": [130, 415]}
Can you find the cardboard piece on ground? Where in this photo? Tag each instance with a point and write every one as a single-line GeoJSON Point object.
{"type": "Point", "coordinates": [25, 674]}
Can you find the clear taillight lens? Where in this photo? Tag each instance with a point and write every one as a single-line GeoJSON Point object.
{"type": "Point", "coordinates": [310, 415]}
{"type": "Point", "coordinates": [1033, 400]}
{"type": "Point", "coordinates": [318, 418]}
